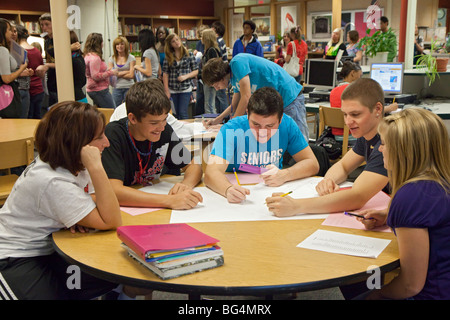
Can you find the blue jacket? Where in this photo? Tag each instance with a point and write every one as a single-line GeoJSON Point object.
{"type": "Point", "coordinates": [253, 47]}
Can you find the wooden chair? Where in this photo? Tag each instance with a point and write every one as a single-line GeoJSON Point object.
{"type": "Point", "coordinates": [107, 112]}
{"type": "Point", "coordinates": [14, 154]}
{"type": "Point", "coordinates": [333, 117]}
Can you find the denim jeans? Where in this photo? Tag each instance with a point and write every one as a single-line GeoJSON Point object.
{"type": "Point", "coordinates": [222, 101]}
{"type": "Point", "coordinates": [25, 97]}
{"type": "Point", "coordinates": [210, 99]}
{"type": "Point", "coordinates": [200, 99]}
{"type": "Point", "coordinates": [34, 112]}
{"type": "Point", "coordinates": [297, 111]}
{"type": "Point", "coordinates": [102, 99]}
{"type": "Point", "coordinates": [181, 103]}
{"type": "Point", "coordinates": [119, 95]}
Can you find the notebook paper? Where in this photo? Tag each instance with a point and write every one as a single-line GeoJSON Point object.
{"type": "Point", "coordinates": [341, 243]}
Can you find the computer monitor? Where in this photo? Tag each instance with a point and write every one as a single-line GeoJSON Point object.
{"type": "Point", "coordinates": [321, 73]}
{"type": "Point", "coordinates": [389, 75]}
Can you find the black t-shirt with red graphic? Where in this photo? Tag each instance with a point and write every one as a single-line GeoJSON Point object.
{"type": "Point", "coordinates": [121, 160]}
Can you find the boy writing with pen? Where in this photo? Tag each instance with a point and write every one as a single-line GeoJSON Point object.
{"type": "Point", "coordinates": [260, 139]}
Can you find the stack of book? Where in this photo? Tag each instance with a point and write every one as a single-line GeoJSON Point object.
{"type": "Point", "coordinates": [171, 250]}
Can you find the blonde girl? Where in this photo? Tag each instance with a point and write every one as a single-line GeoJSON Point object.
{"type": "Point", "coordinates": [124, 62]}
{"type": "Point", "coordinates": [416, 152]}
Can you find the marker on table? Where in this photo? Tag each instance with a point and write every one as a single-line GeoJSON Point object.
{"type": "Point", "coordinates": [356, 215]}
{"type": "Point", "coordinates": [237, 179]}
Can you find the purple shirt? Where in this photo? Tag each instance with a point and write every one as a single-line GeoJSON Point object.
{"type": "Point", "coordinates": [425, 204]}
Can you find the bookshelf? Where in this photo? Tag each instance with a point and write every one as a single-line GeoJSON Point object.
{"type": "Point", "coordinates": [29, 19]}
{"type": "Point", "coordinates": [184, 26]}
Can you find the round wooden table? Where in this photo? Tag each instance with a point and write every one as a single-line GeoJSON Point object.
{"type": "Point", "coordinates": [261, 258]}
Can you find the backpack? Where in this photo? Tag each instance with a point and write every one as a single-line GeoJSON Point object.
{"type": "Point", "coordinates": [329, 143]}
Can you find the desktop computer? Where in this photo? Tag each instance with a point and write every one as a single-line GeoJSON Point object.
{"type": "Point", "coordinates": [390, 76]}
{"type": "Point", "coordinates": [321, 74]}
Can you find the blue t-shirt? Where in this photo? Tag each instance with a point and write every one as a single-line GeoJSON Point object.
{"type": "Point", "coordinates": [236, 143]}
{"type": "Point", "coordinates": [263, 73]}
{"type": "Point", "coordinates": [426, 205]}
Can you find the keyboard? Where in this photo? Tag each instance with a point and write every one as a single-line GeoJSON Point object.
{"type": "Point", "coordinates": [311, 100]}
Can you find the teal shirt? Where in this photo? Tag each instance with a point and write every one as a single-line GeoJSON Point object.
{"type": "Point", "coordinates": [263, 73]}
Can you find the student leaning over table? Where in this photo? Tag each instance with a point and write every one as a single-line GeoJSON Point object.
{"type": "Point", "coordinates": [416, 153]}
{"type": "Point", "coordinates": [50, 195]}
{"type": "Point", "coordinates": [362, 106]}
{"type": "Point", "coordinates": [259, 138]}
{"type": "Point", "coordinates": [142, 144]}
{"type": "Point", "coordinates": [246, 73]}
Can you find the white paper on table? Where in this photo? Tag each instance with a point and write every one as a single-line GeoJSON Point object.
{"type": "Point", "coordinates": [342, 243]}
{"type": "Point", "coordinates": [215, 208]}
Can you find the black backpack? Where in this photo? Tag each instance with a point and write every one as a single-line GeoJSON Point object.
{"type": "Point", "coordinates": [329, 143]}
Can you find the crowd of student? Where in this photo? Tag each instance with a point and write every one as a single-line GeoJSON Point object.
{"type": "Point", "coordinates": [406, 154]}
{"type": "Point", "coordinates": [163, 56]}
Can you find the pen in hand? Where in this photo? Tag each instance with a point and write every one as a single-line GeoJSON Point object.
{"type": "Point", "coordinates": [356, 215]}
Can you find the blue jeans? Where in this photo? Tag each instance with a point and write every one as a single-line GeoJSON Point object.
{"type": "Point", "coordinates": [25, 97]}
{"type": "Point", "coordinates": [34, 111]}
{"type": "Point", "coordinates": [102, 99]}
{"type": "Point", "coordinates": [181, 103]}
{"type": "Point", "coordinates": [221, 100]}
{"type": "Point", "coordinates": [210, 99]}
{"type": "Point", "coordinates": [297, 111]}
{"type": "Point", "coordinates": [119, 95]}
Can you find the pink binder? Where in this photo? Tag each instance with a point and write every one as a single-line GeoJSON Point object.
{"type": "Point", "coordinates": [144, 239]}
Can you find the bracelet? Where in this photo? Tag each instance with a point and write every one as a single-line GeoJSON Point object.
{"type": "Point", "coordinates": [226, 190]}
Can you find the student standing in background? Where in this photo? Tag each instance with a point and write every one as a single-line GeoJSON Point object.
{"type": "Point", "coordinates": [79, 70]}
{"type": "Point", "coordinates": [248, 42]}
{"type": "Point", "coordinates": [221, 95]}
{"type": "Point", "coordinates": [96, 72]}
{"type": "Point", "coordinates": [124, 62]}
{"type": "Point", "coordinates": [300, 47]}
{"type": "Point", "coordinates": [150, 66]}
{"type": "Point", "coordinates": [9, 71]}
{"type": "Point", "coordinates": [211, 48]}
{"type": "Point", "coordinates": [179, 68]}
{"type": "Point", "coordinates": [25, 76]}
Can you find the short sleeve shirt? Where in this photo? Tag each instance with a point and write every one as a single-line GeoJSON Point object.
{"type": "Point", "coordinates": [373, 156]}
{"type": "Point", "coordinates": [426, 205]}
{"type": "Point", "coordinates": [236, 143]}
{"type": "Point", "coordinates": [121, 160]}
{"type": "Point", "coordinates": [263, 73]}
{"type": "Point", "coordinates": [43, 201]}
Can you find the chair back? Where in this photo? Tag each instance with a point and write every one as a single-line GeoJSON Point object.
{"type": "Point", "coordinates": [333, 117]}
{"type": "Point", "coordinates": [16, 153]}
{"type": "Point", "coordinates": [107, 112]}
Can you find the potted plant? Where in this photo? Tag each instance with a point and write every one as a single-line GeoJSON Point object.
{"type": "Point", "coordinates": [378, 42]}
{"type": "Point", "coordinates": [431, 63]}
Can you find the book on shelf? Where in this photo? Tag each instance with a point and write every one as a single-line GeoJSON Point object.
{"type": "Point", "coordinates": [172, 267]}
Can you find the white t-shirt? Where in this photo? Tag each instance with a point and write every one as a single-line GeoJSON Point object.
{"type": "Point", "coordinates": [43, 201]}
